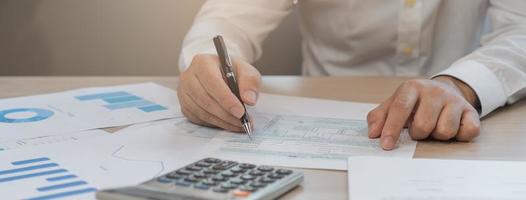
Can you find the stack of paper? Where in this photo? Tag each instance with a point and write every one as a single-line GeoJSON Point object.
{"type": "Point", "coordinates": [50, 145]}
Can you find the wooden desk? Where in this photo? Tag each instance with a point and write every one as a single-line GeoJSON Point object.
{"type": "Point", "coordinates": [503, 134]}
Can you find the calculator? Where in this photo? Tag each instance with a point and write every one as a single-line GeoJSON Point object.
{"type": "Point", "coordinates": [212, 178]}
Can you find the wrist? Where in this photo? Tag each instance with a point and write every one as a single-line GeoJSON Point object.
{"type": "Point", "coordinates": [467, 92]}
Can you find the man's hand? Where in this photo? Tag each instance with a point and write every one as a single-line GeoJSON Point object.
{"type": "Point", "coordinates": [442, 108]}
{"type": "Point", "coordinates": [205, 97]}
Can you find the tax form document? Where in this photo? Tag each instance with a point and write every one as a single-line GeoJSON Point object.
{"type": "Point", "coordinates": [322, 138]}
{"type": "Point", "coordinates": [377, 178]}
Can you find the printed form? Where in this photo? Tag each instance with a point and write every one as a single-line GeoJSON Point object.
{"type": "Point", "coordinates": [305, 133]}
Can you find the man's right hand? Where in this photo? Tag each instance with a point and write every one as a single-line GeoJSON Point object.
{"type": "Point", "coordinates": [205, 98]}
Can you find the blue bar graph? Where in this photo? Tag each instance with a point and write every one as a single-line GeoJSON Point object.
{"type": "Point", "coordinates": [62, 185]}
{"type": "Point", "coordinates": [152, 108]}
{"type": "Point", "coordinates": [25, 176]}
{"type": "Point", "coordinates": [132, 104]}
{"type": "Point", "coordinates": [34, 160]}
{"type": "Point", "coordinates": [102, 95]}
{"type": "Point", "coordinates": [64, 194]}
{"type": "Point", "coordinates": [22, 169]}
{"type": "Point", "coordinates": [123, 100]}
{"type": "Point", "coordinates": [59, 182]}
{"type": "Point", "coordinates": [59, 178]}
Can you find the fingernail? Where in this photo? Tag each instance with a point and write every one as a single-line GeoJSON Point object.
{"type": "Point", "coordinates": [387, 143]}
{"type": "Point", "coordinates": [237, 111]}
{"type": "Point", "coordinates": [250, 96]}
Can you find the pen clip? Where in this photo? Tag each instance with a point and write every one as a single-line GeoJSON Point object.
{"type": "Point", "coordinates": [223, 52]}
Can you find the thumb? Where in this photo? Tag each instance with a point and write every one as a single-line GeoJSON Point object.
{"type": "Point", "coordinates": [249, 80]}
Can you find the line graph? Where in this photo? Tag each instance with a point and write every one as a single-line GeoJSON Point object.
{"type": "Point", "coordinates": [115, 154]}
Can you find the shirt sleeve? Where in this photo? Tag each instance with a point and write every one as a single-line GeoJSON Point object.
{"type": "Point", "coordinates": [497, 70]}
{"type": "Point", "coordinates": [244, 25]}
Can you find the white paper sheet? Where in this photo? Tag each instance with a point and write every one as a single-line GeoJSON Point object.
{"type": "Point", "coordinates": [84, 109]}
{"type": "Point", "coordinates": [377, 178]}
{"type": "Point", "coordinates": [305, 142]}
{"type": "Point", "coordinates": [300, 132]}
{"type": "Point", "coordinates": [124, 158]}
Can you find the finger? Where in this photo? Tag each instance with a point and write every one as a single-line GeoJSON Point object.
{"type": "Point", "coordinates": [194, 119]}
{"type": "Point", "coordinates": [203, 115]}
{"type": "Point", "coordinates": [199, 96]}
{"type": "Point", "coordinates": [448, 122]}
{"type": "Point", "coordinates": [425, 118]}
{"type": "Point", "coordinates": [211, 79]}
{"type": "Point", "coordinates": [249, 82]}
{"type": "Point", "coordinates": [376, 119]}
{"type": "Point", "coordinates": [469, 126]}
{"type": "Point", "coordinates": [399, 111]}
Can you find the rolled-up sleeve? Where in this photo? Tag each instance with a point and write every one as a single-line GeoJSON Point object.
{"type": "Point", "coordinates": [243, 24]}
{"type": "Point", "coordinates": [497, 70]}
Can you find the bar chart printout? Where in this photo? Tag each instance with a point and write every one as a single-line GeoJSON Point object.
{"type": "Point", "coordinates": [39, 179]}
{"type": "Point", "coordinates": [122, 100]}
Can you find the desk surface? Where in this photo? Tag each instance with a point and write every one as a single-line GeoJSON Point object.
{"type": "Point", "coordinates": [503, 134]}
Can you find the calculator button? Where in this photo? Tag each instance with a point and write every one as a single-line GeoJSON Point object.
{"type": "Point", "coordinates": [241, 193]}
{"type": "Point", "coordinates": [203, 164]}
{"type": "Point", "coordinates": [284, 171]}
{"type": "Point", "coordinates": [247, 188]}
{"type": "Point", "coordinates": [275, 176]}
{"type": "Point", "coordinates": [202, 186]}
{"type": "Point", "coordinates": [219, 178]}
{"type": "Point", "coordinates": [191, 179]}
{"type": "Point", "coordinates": [164, 179]}
{"type": "Point", "coordinates": [174, 175]}
{"type": "Point", "coordinates": [246, 166]}
{"type": "Point", "coordinates": [200, 175]}
{"type": "Point", "coordinates": [256, 173]}
{"type": "Point", "coordinates": [228, 186]}
{"type": "Point", "coordinates": [237, 181]}
{"type": "Point", "coordinates": [210, 171]}
{"type": "Point", "coordinates": [224, 165]}
{"type": "Point", "coordinates": [238, 170]}
{"type": "Point", "coordinates": [183, 183]}
{"type": "Point", "coordinates": [266, 180]}
{"type": "Point", "coordinates": [220, 190]}
{"type": "Point", "coordinates": [194, 168]}
{"type": "Point", "coordinates": [183, 172]}
{"type": "Point", "coordinates": [212, 160]}
{"type": "Point", "coordinates": [247, 177]}
{"type": "Point", "coordinates": [265, 168]}
{"type": "Point", "coordinates": [209, 182]}
{"type": "Point", "coordinates": [258, 184]}
{"type": "Point", "coordinates": [228, 174]}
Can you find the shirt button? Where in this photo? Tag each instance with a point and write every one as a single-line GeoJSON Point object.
{"type": "Point", "coordinates": [408, 51]}
{"type": "Point", "coordinates": [410, 3]}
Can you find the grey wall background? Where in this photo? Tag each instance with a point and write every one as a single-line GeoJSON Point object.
{"type": "Point", "coordinates": [117, 37]}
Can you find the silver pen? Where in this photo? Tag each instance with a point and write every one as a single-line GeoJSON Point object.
{"type": "Point", "coordinates": [230, 78]}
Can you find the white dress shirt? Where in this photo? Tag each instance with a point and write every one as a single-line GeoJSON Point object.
{"type": "Point", "coordinates": [481, 42]}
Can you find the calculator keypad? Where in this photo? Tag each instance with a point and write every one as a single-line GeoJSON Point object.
{"type": "Point", "coordinates": [223, 176]}
{"type": "Point", "coordinates": [211, 179]}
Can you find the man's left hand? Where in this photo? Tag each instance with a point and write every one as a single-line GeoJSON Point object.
{"type": "Point", "coordinates": [442, 108]}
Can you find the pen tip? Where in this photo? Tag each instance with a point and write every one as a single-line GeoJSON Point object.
{"type": "Point", "coordinates": [248, 130]}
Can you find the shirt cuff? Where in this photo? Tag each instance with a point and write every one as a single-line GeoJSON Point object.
{"type": "Point", "coordinates": [482, 80]}
{"type": "Point", "coordinates": [188, 53]}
